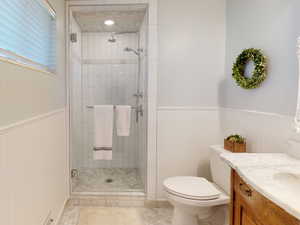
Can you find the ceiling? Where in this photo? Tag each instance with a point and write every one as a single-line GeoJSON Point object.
{"type": "Point", "coordinates": [127, 19]}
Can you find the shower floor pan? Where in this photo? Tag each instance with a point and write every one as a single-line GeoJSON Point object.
{"type": "Point", "coordinates": [107, 180]}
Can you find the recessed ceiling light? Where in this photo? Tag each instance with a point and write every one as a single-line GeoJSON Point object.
{"type": "Point", "coordinates": [109, 22]}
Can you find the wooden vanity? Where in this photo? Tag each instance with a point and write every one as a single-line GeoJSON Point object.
{"type": "Point", "coordinates": [248, 207]}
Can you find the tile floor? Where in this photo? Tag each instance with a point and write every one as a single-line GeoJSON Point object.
{"type": "Point", "coordinates": [116, 210]}
{"type": "Point", "coordinates": [78, 215]}
{"type": "Point", "coordinates": [107, 179]}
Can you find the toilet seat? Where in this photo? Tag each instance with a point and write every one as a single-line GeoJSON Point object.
{"type": "Point", "coordinates": [194, 188]}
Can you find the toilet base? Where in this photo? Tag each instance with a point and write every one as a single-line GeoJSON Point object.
{"type": "Point", "coordinates": [182, 218]}
{"type": "Point", "coordinates": [189, 215]}
{"type": "Point", "coordinates": [189, 211]}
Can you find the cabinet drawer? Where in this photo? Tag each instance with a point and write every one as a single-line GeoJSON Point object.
{"type": "Point", "coordinates": [264, 210]}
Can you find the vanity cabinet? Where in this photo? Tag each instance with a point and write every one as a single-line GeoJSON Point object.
{"type": "Point", "coordinates": [249, 207]}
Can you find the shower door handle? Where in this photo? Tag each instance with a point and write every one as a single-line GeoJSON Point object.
{"type": "Point", "coordinates": [138, 112]}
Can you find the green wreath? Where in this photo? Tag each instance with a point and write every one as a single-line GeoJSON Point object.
{"type": "Point", "coordinates": [260, 71]}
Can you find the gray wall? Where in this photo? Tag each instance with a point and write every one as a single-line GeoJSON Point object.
{"type": "Point", "coordinates": [25, 93]}
{"type": "Point", "coordinates": [273, 26]}
{"type": "Point", "coordinates": [191, 51]}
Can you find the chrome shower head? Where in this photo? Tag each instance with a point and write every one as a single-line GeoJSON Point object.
{"type": "Point", "coordinates": [112, 39]}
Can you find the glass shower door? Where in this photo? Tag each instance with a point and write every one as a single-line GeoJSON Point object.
{"type": "Point", "coordinates": [109, 77]}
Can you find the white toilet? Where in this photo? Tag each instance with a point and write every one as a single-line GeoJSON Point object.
{"type": "Point", "coordinates": [194, 198]}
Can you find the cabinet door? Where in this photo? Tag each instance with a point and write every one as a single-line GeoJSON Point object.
{"type": "Point", "coordinates": [242, 215]}
{"type": "Point", "coordinates": [246, 220]}
{"type": "Point", "coordinates": [249, 207]}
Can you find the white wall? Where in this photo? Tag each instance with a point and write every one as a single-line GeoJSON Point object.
{"type": "Point", "coordinates": [33, 156]}
{"type": "Point", "coordinates": [190, 68]}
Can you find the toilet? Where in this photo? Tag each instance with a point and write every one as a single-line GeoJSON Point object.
{"type": "Point", "coordinates": [195, 198]}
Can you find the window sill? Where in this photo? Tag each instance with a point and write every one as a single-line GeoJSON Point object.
{"type": "Point", "coordinates": [24, 65]}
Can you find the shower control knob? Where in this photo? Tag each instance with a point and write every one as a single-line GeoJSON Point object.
{"type": "Point", "coordinates": [138, 95]}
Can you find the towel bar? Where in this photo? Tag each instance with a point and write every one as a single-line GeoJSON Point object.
{"type": "Point", "coordinates": [91, 107]}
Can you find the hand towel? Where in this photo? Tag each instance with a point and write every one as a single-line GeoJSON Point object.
{"type": "Point", "coordinates": [123, 120]}
{"type": "Point", "coordinates": [103, 132]}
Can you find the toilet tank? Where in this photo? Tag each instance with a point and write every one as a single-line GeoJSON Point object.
{"type": "Point", "coordinates": [219, 169]}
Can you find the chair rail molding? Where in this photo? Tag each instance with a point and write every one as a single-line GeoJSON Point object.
{"type": "Point", "coordinates": [6, 129]}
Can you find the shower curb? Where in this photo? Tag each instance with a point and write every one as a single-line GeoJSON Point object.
{"type": "Point", "coordinates": [115, 201]}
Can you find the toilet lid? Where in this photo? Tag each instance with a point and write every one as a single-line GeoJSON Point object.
{"type": "Point", "coordinates": [197, 188]}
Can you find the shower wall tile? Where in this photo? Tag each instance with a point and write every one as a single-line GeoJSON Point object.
{"type": "Point", "coordinates": [106, 82]}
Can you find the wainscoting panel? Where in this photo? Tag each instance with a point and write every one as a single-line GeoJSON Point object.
{"type": "Point", "coordinates": [265, 132]}
{"type": "Point", "coordinates": [184, 137]}
{"type": "Point", "coordinates": [185, 134]}
{"type": "Point", "coordinates": [5, 193]}
{"type": "Point", "coordinates": [33, 169]}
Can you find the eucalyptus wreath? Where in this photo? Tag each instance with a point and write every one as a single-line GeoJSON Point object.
{"type": "Point", "coordinates": [259, 73]}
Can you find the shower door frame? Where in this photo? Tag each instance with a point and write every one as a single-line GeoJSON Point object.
{"type": "Point", "coordinates": [152, 156]}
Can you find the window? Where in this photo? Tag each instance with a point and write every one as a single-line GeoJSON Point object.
{"type": "Point", "coordinates": [28, 33]}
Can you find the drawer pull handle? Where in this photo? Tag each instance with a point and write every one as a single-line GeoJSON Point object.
{"type": "Point", "coordinates": [245, 190]}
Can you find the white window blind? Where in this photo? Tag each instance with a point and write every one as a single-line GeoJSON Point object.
{"type": "Point", "coordinates": [28, 33]}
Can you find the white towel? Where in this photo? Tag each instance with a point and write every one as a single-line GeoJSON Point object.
{"type": "Point", "coordinates": [103, 132]}
{"type": "Point", "coordinates": [123, 120]}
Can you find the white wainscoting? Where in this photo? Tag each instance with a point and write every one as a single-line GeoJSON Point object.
{"type": "Point", "coordinates": [33, 169]}
{"type": "Point", "coordinates": [265, 132]}
{"type": "Point", "coordinates": [185, 133]}
{"type": "Point", "coordinates": [184, 137]}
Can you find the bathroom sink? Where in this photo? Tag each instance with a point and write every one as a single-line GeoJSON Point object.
{"type": "Point", "coordinates": [290, 181]}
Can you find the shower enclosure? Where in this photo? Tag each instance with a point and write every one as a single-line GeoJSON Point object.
{"type": "Point", "coordinates": [108, 66]}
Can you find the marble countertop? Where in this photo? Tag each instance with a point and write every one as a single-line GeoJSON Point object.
{"type": "Point", "coordinates": [276, 176]}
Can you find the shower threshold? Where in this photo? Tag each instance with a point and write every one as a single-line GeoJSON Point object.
{"type": "Point", "coordinates": [107, 181]}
